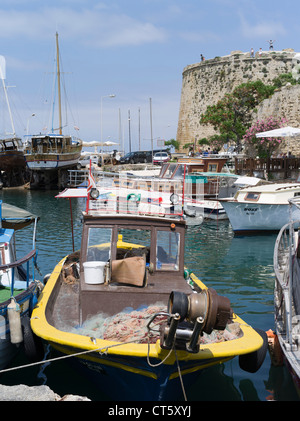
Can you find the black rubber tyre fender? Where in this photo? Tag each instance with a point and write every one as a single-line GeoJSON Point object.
{"type": "Point", "coordinates": [253, 361]}
{"type": "Point", "coordinates": [33, 345]}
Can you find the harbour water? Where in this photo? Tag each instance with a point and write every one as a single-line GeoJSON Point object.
{"type": "Point", "coordinates": [240, 268]}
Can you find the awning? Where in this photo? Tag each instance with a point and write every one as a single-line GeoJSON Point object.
{"type": "Point", "coordinates": [72, 193]}
{"type": "Point", "coordinates": [16, 218]}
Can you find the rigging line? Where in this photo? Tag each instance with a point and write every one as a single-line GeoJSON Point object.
{"type": "Point", "coordinates": [100, 350]}
{"type": "Point", "coordinates": [180, 375]}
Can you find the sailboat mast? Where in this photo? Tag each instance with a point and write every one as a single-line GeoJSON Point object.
{"type": "Point", "coordinates": [2, 76]}
{"type": "Point", "coordinates": [58, 84]}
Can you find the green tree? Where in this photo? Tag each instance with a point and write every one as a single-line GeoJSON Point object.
{"type": "Point", "coordinates": [283, 79]}
{"type": "Point", "coordinates": [231, 116]}
{"type": "Point", "coordinates": [172, 142]}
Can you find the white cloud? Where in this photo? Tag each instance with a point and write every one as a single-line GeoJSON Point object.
{"type": "Point", "coordinates": [93, 27]}
{"type": "Point", "coordinates": [266, 28]}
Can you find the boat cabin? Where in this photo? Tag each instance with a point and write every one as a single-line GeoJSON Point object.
{"type": "Point", "coordinates": [269, 193]}
{"type": "Point", "coordinates": [130, 261]}
{"type": "Point", "coordinates": [191, 165]}
{"type": "Point", "coordinates": [48, 144]}
{"type": "Point", "coordinates": [11, 144]}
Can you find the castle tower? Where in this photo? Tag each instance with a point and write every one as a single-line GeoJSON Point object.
{"type": "Point", "coordinates": [207, 82]}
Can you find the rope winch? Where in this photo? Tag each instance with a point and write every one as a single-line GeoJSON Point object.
{"type": "Point", "coordinates": [190, 316]}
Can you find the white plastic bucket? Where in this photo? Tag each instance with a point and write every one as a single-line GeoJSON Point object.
{"type": "Point", "coordinates": [94, 272]}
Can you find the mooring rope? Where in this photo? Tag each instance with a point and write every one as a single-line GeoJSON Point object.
{"type": "Point", "coordinates": [100, 350]}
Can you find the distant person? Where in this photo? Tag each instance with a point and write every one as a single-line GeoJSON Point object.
{"type": "Point", "coordinates": [260, 52]}
{"type": "Point", "coordinates": [271, 42]}
{"type": "Point", "coordinates": [191, 150]}
{"type": "Point", "coordinates": [202, 57]}
{"type": "Point", "coordinates": [252, 52]}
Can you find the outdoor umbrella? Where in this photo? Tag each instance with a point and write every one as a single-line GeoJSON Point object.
{"type": "Point", "coordinates": [281, 132]}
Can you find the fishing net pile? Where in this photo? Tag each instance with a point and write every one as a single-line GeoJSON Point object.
{"type": "Point", "coordinates": [126, 326]}
{"type": "Point", "coordinates": [131, 326]}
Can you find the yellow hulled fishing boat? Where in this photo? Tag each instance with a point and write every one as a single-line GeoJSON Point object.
{"type": "Point", "coordinates": [130, 312]}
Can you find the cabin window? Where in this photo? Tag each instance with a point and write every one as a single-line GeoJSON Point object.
{"type": "Point", "coordinates": [99, 244]}
{"type": "Point", "coordinates": [212, 167]}
{"type": "Point", "coordinates": [173, 171]}
{"type": "Point", "coordinates": [167, 250]}
{"type": "Point", "coordinates": [252, 196]}
{"type": "Point", "coordinates": [133, 242]}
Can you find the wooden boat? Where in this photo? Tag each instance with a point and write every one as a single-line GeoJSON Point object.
{"type": "Point", "coordinates": [261, 208]}
{"type": "Point", "coordinates": [11, 154]}
{"type": "Point", "coordinates": [53, 151]}
{"type": "Point", "coordinates": [214, 181]}
{"type": "Point", "coordinates": [287, 296]}
{"type": "Point", "coordinates": [12, 162]}
{"type": "Point", "coordinates": [197, 181]}
{"type": "Point", "coordinates": [18, 288]}
{"type": "Point", "coordinates": [130, 313]}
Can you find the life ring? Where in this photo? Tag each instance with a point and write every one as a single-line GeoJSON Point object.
{"type": "Point", "coordinates": [33, 345]}
{"type": "Point", "coordinates": [253, 361]}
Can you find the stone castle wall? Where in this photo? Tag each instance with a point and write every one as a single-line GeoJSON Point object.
{"type": "Point", "coordinates": [207, 82]}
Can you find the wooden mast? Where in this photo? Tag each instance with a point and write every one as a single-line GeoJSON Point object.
{"type": "Point", "coordinates": [58, 84]}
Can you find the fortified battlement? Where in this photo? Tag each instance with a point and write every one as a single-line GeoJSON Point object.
{"type": "Point", "coordinates": [207, 82]}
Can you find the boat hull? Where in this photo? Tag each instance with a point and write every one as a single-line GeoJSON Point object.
{"type": "Point", "coordinates": [247, 217]}
{"type": "Point", "coordinates": [291, 361]}
{"type": "Point", "coordinates": [51, 162]}
{"type": "Point", "coordinates": [27, 300]}
{"type": "Point", "coordinates": [117, 378]}
{"type": "Point", "coordinates": [119, 367]}
{"type": "Point", "coordinates": [11, 159]}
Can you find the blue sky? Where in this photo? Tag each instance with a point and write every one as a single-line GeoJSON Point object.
{"type": "Point", "coordinates": [135, 49]}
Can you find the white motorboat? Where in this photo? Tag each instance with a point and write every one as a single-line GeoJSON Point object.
{"type": "Point", "coordinates": [261, 208]}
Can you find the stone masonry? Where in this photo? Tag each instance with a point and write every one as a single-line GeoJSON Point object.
{"type": "Point", "coordinates": [207, 82]}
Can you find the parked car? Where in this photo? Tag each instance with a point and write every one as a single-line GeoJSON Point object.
{"type": "Point", "coordinates": [149, 154]}
{"type": "Point", "coordinates": [84, 160]}
{"type": "Point", "coordinates": [133, 158]}
{"type": "Point", "coordinates": [161, 157]}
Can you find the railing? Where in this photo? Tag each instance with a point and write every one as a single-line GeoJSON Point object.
{"type": "Point", "coordinates": [287, 275]}
{"type": "Point", "coordinates": [13, 265]}
{"type": "Point", "coordinates": [271, 165]}
{"type": "Point", "coordinates": [79, 178]}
